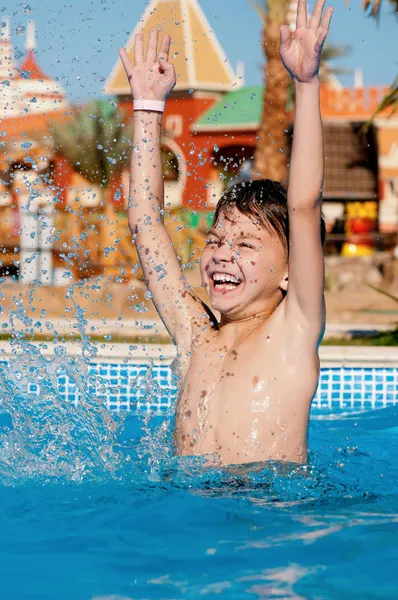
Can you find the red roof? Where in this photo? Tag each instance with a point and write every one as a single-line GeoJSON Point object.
{"type": "Point", "coordinates": [30, 65]}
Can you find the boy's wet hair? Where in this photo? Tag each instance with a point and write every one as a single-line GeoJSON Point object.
{"type": "Point", "coordinates": [265, 201]}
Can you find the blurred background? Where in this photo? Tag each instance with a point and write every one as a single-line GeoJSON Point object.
{"type": "Point", "coordinates": [65, 143]}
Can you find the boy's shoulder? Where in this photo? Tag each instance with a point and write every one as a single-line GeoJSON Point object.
{"type": "Point", "coordinates": [283, 334]}
{"type": "Point", "coordinates": [279, 333]}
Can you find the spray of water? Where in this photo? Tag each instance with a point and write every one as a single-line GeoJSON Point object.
{"type": "Point", "coordinates": [45, 435]}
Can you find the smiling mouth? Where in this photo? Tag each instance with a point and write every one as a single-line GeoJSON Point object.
{"type": "Point", "coordinates": [223, 283]}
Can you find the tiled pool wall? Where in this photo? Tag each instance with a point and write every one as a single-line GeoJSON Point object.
{"type": "Point", "coordinates": [137, 387]}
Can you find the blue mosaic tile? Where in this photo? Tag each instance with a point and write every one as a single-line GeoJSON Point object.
{"type": "Point", "coordinates": [126, 387]}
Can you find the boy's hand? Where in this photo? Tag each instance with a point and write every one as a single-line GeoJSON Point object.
{"type": "Point", "coordinates": [152, 78]}
{"type": "Point", "coordinates": [301, 53]}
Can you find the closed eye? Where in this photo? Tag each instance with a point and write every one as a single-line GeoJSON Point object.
{"type": "Point", "coordinates": [247, 245]}
{"type": "Point", "coordinates": [209, 242]}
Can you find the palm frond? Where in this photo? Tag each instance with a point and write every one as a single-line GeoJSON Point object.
{"type": "Point", "coordinates": [332, 51]}
{"type": "Point", "coordinates": [373, 7]}
{"type": "Point", "coordinates": [390, 100]}
{"type": "Point", "coordinates": [95, 142]}
{"type": "Point", "coordinates": [380, 291]}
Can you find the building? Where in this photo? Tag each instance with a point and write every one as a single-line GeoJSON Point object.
{"type": "Point", "coordinates": [211, 121]}
{"type": "Point", "coordinates": [210, 126]}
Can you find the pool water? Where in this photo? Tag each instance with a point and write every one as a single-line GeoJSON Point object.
{"type": "Point", "coordinates": [163, 528]}
{"type": "Point", "coordinates": [94, 506]}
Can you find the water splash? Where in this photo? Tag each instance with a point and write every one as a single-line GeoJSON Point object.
{"type": "Point", "coordinates": [44, 435]}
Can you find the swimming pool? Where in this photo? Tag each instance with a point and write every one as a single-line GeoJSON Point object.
{"type": "Point", "coordinates": [137, 523]}
{"type": "Point", "coordinates": [129, 387]}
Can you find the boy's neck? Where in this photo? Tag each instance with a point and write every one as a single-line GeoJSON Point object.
{"type": "Point", "coordinates": [256, 317]}
{"type": "Point", "coordinates": [265, 314]}
{"type": "Point", "coordinates": [234, 331]}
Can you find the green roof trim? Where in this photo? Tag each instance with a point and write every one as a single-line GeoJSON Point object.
{"type": "Point", "coordinates": [194, 218]}
{"type": "Point", "coordinates": [238, 109]}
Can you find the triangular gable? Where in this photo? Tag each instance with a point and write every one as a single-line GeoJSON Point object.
{"type": "Point", "coordinates": [196, 52]}
{"type": "Point", "coordinates": [31, 68]}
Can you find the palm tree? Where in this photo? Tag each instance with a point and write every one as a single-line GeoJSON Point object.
{"type": "Point", "coordinates": [97, 144]}
{"type": "Point", "coordinates": [270, 159]}
{"type": "Point", "coordinates": [270, 153]}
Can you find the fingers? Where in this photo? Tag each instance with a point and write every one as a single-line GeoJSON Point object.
{"type": "Point", "coordinates": [128, 67]}
{"type": "Point", "coordinates": [152, 46]}
{"type": "Point", "coordinates": [169, 74]}
{"type": "Point", "coordinates": [316, 16]}
{"type": "Point", "coordinates": [323, 29]}
{"type": "Point", "coordinates": [165, 47]}
{"type": "Point", "coordinates": [301, 14]}
{"type": "Point", "coordinates": [139, 49]}
{"type": "Point", "coordinates": [327, 17]}
{"type": "Point", "coordinates": [167, 68]}
{"type": "Point", "coordinates": [285, 39]}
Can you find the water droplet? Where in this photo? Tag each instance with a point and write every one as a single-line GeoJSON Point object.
{"type": "Point", "coordinates": [27, 9]}
{"type": "Point", "coordinates": [18, 54]}
{"type": "Point", "coordinates": [148, 295]}
{"type": "Point", "coordinates": [20, 30]}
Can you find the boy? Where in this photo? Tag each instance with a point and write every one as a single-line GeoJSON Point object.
{"type": "Point", "coordinates": [247, 382]}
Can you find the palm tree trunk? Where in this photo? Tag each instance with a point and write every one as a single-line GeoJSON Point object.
{"type": "Point", "coordinates": [270, 160]}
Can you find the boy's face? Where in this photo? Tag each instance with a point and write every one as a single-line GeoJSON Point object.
{"type": "Point", "coordinates": [240, 249]}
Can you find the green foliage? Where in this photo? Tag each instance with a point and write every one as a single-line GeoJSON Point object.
{"type": "Point", "coordinates": [96, 142]}
{"type": "Point", "coordinates": [373, 8]}
{"type": "Point", "coordinates": [384, 338]}
{"type": "Point", "coordinates": [390, 101]}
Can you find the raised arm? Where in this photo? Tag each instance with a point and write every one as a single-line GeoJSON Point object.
{"type": "Point", "coordinates": [152, 79]}
{"type": "Point", "coordinates": [301, 56]}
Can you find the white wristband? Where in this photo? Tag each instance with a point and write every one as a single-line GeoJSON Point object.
{"type": "Point", "coordinates": [155, 105]}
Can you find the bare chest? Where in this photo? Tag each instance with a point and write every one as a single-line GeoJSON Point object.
{"type": "Point", "coordinates": [232, 397]}
{"type": "Point", "coordinates": [228, 379]}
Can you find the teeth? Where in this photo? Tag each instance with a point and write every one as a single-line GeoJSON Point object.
{"type": "Point", "coordinates": [225, 277]}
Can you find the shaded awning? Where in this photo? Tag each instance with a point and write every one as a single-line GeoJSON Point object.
{"type": "Point", "coordinates": [351, 169]}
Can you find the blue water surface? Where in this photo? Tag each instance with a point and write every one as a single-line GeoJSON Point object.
{"type": "Point", "coordinates": [154, 526]}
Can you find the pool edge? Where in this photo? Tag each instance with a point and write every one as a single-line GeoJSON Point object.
{"type": "Point", "coordinates": [330, 356]}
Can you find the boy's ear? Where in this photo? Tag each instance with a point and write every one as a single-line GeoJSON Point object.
{"type": "Point", "coordinates": [284, 282]}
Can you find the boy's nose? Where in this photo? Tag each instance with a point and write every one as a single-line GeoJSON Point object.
{"type": "Point", "coordinates": [224, 252]}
